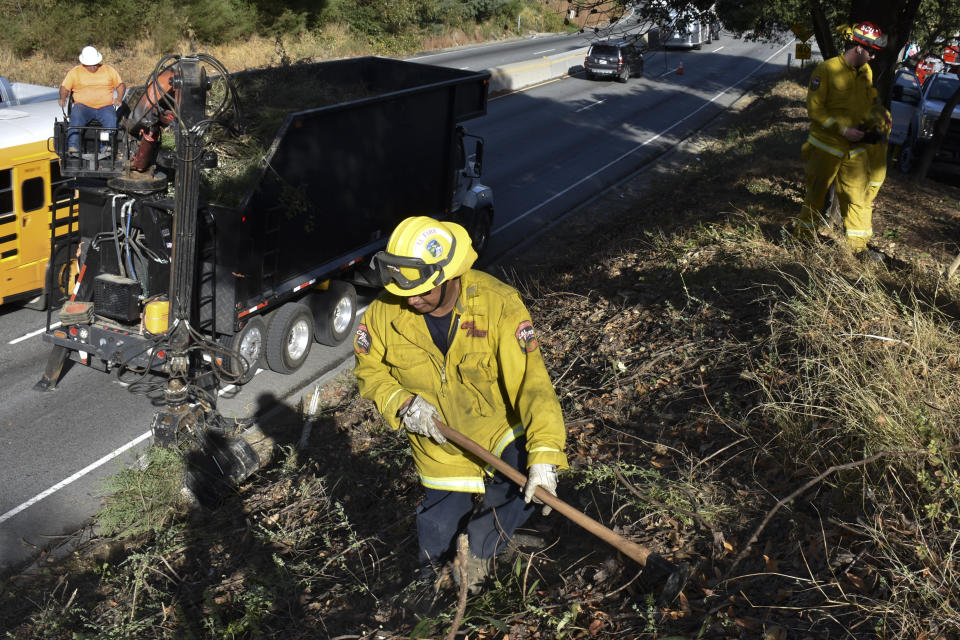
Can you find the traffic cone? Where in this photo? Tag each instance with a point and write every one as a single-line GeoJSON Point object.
{"type": "Point", "coordinates": [680, 69]}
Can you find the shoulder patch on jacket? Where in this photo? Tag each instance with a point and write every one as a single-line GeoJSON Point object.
{"type": "Point", "coordinates": [815, 83]}
{"type": "Point", "coordinates": [526, 337]}
{"type": "Point", "coordinates": [361, 342]}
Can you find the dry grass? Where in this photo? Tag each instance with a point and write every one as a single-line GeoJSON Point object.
{"type": "Point", "coordinates": [863, 364]}
{"type": "Point", "coordinates": [137, 60]}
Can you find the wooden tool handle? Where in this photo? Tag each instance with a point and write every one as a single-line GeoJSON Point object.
{"type": "Point", "coordinates": [630, 549]}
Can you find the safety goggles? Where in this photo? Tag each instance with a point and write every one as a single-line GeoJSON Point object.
{"type": "Point", "coordinates": [388, 266]}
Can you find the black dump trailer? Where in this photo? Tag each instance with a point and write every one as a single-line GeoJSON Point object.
{"type": "Point", "coordinates": [342, 151]}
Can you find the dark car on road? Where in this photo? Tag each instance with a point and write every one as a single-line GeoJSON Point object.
{"type": "Point", "coordinates": [618, 60]}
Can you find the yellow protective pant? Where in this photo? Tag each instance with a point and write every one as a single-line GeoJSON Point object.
{"type": "Point", "coordinates": [851, 173]}
{"type": "Point", "coordinates": [877, 171]}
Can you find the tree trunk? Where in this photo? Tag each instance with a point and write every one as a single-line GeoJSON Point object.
{"type": "Point", "coordinates": [822, 30]}
{"type": "Point", "coordinates": [939, 131]}
{"type": "Point", "coordinates": [895, 18]}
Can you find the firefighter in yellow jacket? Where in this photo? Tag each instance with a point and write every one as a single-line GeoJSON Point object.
{"type": "Point", "coordinates": [839, 100]}
{"type": "Point", "coordinates": [450, 342]}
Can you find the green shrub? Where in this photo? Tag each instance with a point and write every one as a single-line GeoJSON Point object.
{"type": "Point", "coordinates": [164, 29]}
{"type": "Point", "coordinates": [219, 21]}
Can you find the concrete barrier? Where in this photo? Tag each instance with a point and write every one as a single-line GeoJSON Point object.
{"type": "Point", "coordinates": [518, 75]}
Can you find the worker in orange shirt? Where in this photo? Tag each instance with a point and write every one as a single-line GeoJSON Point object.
{"type": "Point", "coordinates": [97, 92]}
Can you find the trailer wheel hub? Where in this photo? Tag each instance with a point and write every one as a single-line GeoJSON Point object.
{"type": "Point", "coordinates": [342, 314]}
{"type": "Point", "coordinates": [299, 340]}
{"type": "Point", "coordinates": [251, 348]}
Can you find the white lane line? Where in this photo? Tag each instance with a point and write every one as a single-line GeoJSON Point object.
{"type": "Point", "coordinates": [27, 336]}
{"type": "Point", "coordinates": [718, 48]}
{"type": "Point", "coordinates": [638, 147]}
{"type": "Point", "coordinates": [231, 387]}
{"type": "Point", "coordinates": [590, 106]}
{"type": "Point", "coordinates": [424, 57]}
{"type": "Point", "coordinates": [536, 53]}
{"type": "Point", "coordinates": [79, 474]}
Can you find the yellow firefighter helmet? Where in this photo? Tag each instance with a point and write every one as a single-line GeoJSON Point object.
{"type": "Point", "coordinates": [423, 253]}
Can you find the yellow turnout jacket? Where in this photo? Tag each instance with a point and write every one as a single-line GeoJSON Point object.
{"type": "Point", "coordinates": [492, 385]}
{"type": "Point", "coordinates": [838, 96]}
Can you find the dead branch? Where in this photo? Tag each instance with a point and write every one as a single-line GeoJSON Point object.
{"type": "Point", "coordinates": [463, 548]}
{"type": "Point", "coordinates": [792, 496]}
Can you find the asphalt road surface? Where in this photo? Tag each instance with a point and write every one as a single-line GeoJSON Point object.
{"type": "Point", "coordinates": [547, 149]}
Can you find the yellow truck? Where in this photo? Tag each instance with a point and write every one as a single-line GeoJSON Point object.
{"type": "Point", "coordinates": [37, 203]}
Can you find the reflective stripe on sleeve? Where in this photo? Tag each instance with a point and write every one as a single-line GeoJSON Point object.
{"type": "Point", "coordinates": [539, 449]}
{"type": "Point", "coordinates": [392, 396]}
{"type": "Point", "coordinates": [507, 438]}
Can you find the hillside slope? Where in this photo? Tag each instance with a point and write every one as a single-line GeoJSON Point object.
{"type": "Point", "coordinates": [709, 368]}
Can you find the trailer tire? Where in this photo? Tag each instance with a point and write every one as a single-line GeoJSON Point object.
{"type": "Point", "coordinates": [249, 342]}
{"type": "Point", "coordinates": [289, 337]}
{"type": "Point", "coordinates": [334, 312]}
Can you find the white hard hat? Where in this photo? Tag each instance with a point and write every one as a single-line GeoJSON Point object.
{"type": "Point", "coordinates": [90, 56]}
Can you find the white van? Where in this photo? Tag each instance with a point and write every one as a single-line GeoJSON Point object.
{"type": "Point", "coordinates": [683, 33]}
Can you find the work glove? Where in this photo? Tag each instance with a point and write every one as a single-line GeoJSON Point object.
{"type": "Point", "coordinates": [418, 417]}
{"type": "Point", "coordinates": [540, 475]}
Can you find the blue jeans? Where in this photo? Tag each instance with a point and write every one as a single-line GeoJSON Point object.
{"type": "Point", "coordinates": [444, 514]}
{"type": "Point", "coordinates": [81, 115]}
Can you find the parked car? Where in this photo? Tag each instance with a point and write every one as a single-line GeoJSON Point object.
{"type": "Point", "coordinates": [615, 59]}
{"type": "Point", "coordinates": [934, 93]}
{"type": "Point", "coordinates": [903, 102]}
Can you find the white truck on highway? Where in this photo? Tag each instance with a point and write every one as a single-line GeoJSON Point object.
{"type": "Point", "coordinates": [915, 110]}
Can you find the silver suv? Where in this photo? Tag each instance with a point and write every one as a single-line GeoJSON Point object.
{"type": "Point", "coordinates": [618, 60]}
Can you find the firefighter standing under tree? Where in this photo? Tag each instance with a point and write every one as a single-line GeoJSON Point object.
{"type": "Point", "coordinates": [839, 101]}
{"type": "Point", "coordinates": [450, 342]}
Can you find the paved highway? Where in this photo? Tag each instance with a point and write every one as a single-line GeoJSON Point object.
{"type": "Point", "coordinates": [548, 149]}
